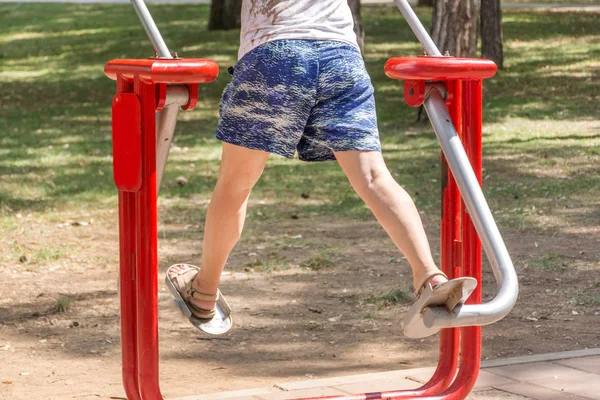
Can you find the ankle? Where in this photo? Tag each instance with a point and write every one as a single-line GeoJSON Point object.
{"type": "Point", "coordinates": [421, 274]}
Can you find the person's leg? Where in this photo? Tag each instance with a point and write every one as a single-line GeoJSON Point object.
{"type": "Point", "coordinates": [263, 110]}
{"type": "Point", "coordinates": [240, 170]}
{"type": "Point", "coordinates": [393, 208]}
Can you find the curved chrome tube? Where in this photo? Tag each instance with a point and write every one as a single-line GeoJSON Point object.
{"type": "Point", "coordinates": [491, 240]}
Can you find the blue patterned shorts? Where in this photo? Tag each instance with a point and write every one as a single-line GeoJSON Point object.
{"type": "Point", "coordinates": [310, 96]}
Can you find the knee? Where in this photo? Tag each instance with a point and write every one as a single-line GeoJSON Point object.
{"type": "Point", "coordinates": [371, 180]}
{"type": "Point", "coordinates": [238, 182]}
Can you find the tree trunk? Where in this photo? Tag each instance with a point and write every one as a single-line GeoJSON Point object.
{"type": "Point", "coordinates": [454, 26]}
{"type": "Point", "coordinates": [454, 29]}
{"type": "Point", "coordinates": [491, 31]}
{"type": "Point", "coordinates": [225, 14]}
{"type": "Point", "coordinates": [358, 25]}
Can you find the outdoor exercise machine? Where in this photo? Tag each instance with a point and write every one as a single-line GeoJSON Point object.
{"type": "Point", "coordinates": [149, 95]}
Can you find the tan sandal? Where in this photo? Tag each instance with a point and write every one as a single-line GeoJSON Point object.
{"type": "Point", "coordinates": [450, 293]}
{"type": "Point", "coordinates": [183, 283]}
{"type": "Point", "coordinates": [214, 322]}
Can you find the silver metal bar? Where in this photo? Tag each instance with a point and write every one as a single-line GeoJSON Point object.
{"type": "Point", "coordinates": [151, 30]}
{"type": "Point", "coordinates": [491, 240]}
{"type": "Point", "coordinates": [417, 28]}
{"type": "Point", "coordinates": [177, 96]}
{"type": "Point", "coordinates": [166, 119]}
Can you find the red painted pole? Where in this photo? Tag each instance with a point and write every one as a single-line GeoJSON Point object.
{"type": "Point", "coordinates": [472, 254]}
{"type": "Point", "coordinates": [471, 336]}
{"type": "Point", "coordinates": [128, 294]}
{"type": "Point", "coordinates": [127, 229]}
{"type": "Point", "coordinates": [147, 245]}
{"type": "Point", "coordinates": [449, 235]}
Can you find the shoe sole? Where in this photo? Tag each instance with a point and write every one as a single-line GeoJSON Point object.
{"type": "Point", "coordinates": [218, 325]}
{"type": "Point", "coordinates": [448, 295]}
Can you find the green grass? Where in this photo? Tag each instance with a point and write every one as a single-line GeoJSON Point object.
{"type": "Point", "coordinates": [63, 304]}
{"type": "Point", "coordinates": [552, 261]}
{"type": "Point", "coordinates": [392, 297]}
{"type": "Point", "coordinates": [564, 2]}
{"type": "Point", "coordinates": [47, 254]}
{"type": "Point", "coordinates": [588, 300]}
{"type": "Point", "coordinates": [268, 266]}
{"type": "Point", "coordinates": [541, 134]}
{"type": "Point", "coordinates": [323, 259]}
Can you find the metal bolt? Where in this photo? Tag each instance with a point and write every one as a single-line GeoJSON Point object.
{"type": "Point", "coordinates": [411, 92]}
{"type": "Point", "coordinates": [175, 55]}
{"type": "Point", "coordinates": [447, 54]}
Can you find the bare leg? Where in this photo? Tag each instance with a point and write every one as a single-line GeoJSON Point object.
{"type": "Point", "coordinates": [393, 208]}
{"type": "Point", "coordinates": [240, 170]}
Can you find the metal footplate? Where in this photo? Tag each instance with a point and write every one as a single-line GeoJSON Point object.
{"type": "Point", "coordinates": [218, 325]}
{"type": "Point", "coordinates": [449, 295]}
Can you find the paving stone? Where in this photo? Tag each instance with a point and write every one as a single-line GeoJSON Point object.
{"type": "Point", "coordinates": [535, 371]}
{"type": "Point", "coordinates": [537, 392]}
{"type": "Point", "coordinates": [249, 397]}
{"type": "Point", "coordinates": [234, 395]}
{"type": "Point", "coordinates": [492, 394]}
{"type": "Point", "coordinates": [342, 380]}
{"type": "Point", "coordinates": [571, 378]}
{"type": "Point", "coordinates": [562, 355]}
{"type": "Point", "coordinates": [587, 385]}
{"type": "Point", "coordinates": [589, 364]}
{"type": "Point", "coordinates": [296, 394]}
{"type": "Point", "coordinates": [485, 380]}
{"type": "Point", "coordinates": [421, 375]}
{"type": "Point", "coordinates": [385, 385]}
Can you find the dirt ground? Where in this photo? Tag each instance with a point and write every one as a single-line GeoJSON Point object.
{"type": "Point", "coordinates": [59, 336]}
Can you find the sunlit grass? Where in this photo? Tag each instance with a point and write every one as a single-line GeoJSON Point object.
{"type": "Point", "coordinates": [541, 132]}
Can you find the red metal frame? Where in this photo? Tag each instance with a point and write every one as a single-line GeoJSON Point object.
{"type": "Point", "coordinates": [147, 80]}
{"type": "Point", "coordinates": [460, 246]}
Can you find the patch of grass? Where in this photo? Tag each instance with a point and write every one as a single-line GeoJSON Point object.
{"type": "Point", "coordinates": [392, 297]}
{"type": "Point", "coordinates": [47, 254]}
{"type": "Point", "coordinates": [587, 299]}
{"type": "Point", "coordinates": [323, 259]}
{"type": "Point", "coordinates": [351, 298]}
{"type": "Point", "coordinates": [63, 304]}
{"type": "Point", "coordinates": [314, 326]}
{"type": "Point", "coordinates": [268, 266]}
{"type": "Point", "coordinates": [551, 261]}
{"type": "Point", "coordinates": [541, 153]}
{"type": "Point", "coordinates": [594, 2]}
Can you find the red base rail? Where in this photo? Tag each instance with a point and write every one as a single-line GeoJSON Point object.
{"type": "Point", "coordinates": [141, 88]}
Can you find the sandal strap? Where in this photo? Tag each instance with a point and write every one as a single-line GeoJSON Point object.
{"type": "Point", "coordinates": [183, 281]}
{"type": "Point", "coordinates": [201, 313]}
{"type": "Point", "coordinates": [183, 278]}
{"type": "Point", "coordinates": [203, 296]}
{"type": "Point", "coordinates": [420, 288]}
